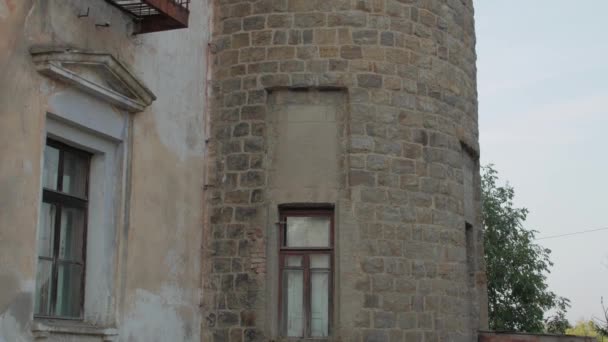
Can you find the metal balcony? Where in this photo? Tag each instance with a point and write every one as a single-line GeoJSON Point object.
{"type": "Point", "coordinates": [155, 15]}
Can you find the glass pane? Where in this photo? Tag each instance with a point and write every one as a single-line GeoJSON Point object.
{"type": "Point", "coordinates": [71, 239]}
{"type": "Point", "coordinates": [69, 280]}
{"type": "Point", "coordinates": [44, 288]}
{"type": "Point", "coordinates": [319, 261]}
{"type": "Point", "coordinates": [293, 302]}
{"type": "Point", "coordinates": [319, 303]}
{"type": "Point", "coordinates": [50, 168]}
{"type": "Point", "coordinates": [74, 174]}
{"type": "Point", "coordinates": [293, 260]}
{"type": "Point", "coordinates": [46, 229]}
{"type": "Point", "coordinates": [307, 231]}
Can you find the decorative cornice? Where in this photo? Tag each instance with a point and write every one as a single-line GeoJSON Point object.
{"type": "Point", "coordinates": [71, 66]}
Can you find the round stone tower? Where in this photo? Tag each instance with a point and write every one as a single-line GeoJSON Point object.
{"type": "Point", "coordinates": [343, 181]}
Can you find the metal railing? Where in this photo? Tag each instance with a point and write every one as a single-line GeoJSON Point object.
{"type": "Point", "coordinates": [156, 15]}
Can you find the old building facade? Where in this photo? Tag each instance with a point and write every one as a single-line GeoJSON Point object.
{"type": "Point", "coordinates": [335, 197]}
{"type": "Point", "coordinates": [127, 112]}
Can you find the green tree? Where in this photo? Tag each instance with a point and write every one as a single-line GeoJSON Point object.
{"type": "Point", "coordinates": [516, 266]}
{"type": "Point", "coordinates": [601, 324]}
{"type": "Point", "coordinates": [585, 328]}
{"type": "Point", "coordinates": [558, 323]}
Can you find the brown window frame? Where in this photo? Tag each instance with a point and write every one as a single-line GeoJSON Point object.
{"type": "Point", "coordinates": [61, 199]}
{"type": "Point", "coordinates": [305, 252]}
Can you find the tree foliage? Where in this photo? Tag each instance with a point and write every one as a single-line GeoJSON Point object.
{"type": "Point", "coordinates": [516, 266]}
{"type": "Point", "coordinates": [558, 323]}
{"type": "Point", "coordinates": [584, 328]}
{"type": "Point", "coordinates": [601, 324]}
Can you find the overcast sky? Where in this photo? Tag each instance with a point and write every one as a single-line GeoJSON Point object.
{"type": "Point", "coordinates": [543, 117]}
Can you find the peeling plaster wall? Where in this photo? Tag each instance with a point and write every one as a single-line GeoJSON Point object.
{"type": "Point", "coordinates": [156, 256]}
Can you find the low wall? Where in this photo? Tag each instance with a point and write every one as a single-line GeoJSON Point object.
{"type": "Point", "coordinates": [517, 337]}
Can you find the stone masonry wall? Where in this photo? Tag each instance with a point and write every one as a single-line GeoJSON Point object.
{"type": "Point", "coordinates": [522, 337]}
{"type": "Point", "coordinates": [408, 69]}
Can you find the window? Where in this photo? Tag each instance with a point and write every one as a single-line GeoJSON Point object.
{"type": "Point", "coordinates": [306, 262]}
{"type": "Point", "coordinates": [62, 232]}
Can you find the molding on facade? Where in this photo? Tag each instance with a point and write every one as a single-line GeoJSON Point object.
{"type": "Point", "coordinates": [42, 331]}
{"type": "Point", "coordinates": [97, 73]}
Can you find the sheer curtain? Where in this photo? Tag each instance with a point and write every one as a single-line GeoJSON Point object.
{"type": "Point", "coordinates": [294, 280]}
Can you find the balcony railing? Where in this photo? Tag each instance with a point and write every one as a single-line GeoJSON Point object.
{"type": "Point", "coordinates": [156, 15]}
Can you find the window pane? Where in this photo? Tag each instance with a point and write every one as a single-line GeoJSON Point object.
{"type": "Point", "coordinates": [72, 234]}
{"type": "Point", "coordinates": [44, 288]}
{"type": "Point", "coordinates": [293, 260]}
{"type": "Point", "coordinates": [69, 280]}
{"type": "Point", "coordinates": [293, 302]}
{"type": "Point", "coordinates": [319, 261]}
{"type": "Point", "coordinates": [50, 168]}
{"type": "Point", "coordinates": [74, 174]}
{"type": "Point", "coordinates": [307, 231]}
{"type": "Point", "coordinates": [46, 229]}
{"type": "Point", "coordinates": [319, 302]}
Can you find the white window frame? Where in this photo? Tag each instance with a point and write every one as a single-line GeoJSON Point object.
{"type": "Point", "coordinates": [105, 136]}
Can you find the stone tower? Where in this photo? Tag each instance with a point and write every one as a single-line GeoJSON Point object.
{"type": "Point", "coordinates": [343, 179]}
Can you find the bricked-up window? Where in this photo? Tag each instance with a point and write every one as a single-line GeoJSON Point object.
{"type": "Point", "coordinates": [62, 232]}
{"type": "Point", "coordinates": [306, 263]}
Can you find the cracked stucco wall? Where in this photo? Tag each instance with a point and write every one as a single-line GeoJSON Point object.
{"type": "Point", "coordinates": [156, 259]}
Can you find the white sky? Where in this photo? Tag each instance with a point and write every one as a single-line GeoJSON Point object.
{"type": "Point", "coordinates": [543, 94]}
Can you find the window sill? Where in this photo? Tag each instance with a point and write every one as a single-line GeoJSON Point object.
{"type": "Point", "coordinates": [304, 339]}
{"type": "Point", "coordinates": [44, 328]}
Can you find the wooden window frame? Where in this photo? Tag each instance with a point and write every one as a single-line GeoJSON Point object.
{"type": "Point", "coordinates": [305, 252]}
{"type": "Point", "coordinates": [61, 199]}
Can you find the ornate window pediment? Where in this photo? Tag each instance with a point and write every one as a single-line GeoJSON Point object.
{"type": "Point", "coordinates": [97, 73]}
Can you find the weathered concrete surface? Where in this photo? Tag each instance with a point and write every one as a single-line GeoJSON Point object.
{"type": "Point", "coordinates": [155, 254]}
{"type": "Point", "coordinates": [517, 337]}
{"type": "Point", "coordinates": [407, 269]}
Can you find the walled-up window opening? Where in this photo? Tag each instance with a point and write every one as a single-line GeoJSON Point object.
{"type": "Point", "coordinates": [306, 264]}
{"type": "Point", "coordinates": [62, 232]}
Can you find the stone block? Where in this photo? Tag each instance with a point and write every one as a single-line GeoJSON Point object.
{"type": "Point", "coordinates": [371, 301]}
{"type": "Point", "coordinates": [232, 25]}
{"type": "Point", "coordinates": [245, 214]}
{"type": "Point", "coordinates": [369, 81]}
{"type": "Point", "coordinates": [350, 18]}
{"type": "Point", "coordinates": [359, 177]}
{"type": "Point", "coordinates": [377, 162]}
{"type": "Point", "coordinates": [292, 66]}
{"type": "Point", "coordinates": [372, 265]}
{"type": "Point", "coordinates": [351, 52]}
{"type": "Point", "coordinates": [403, 166]}
{"type": "Point", "coordinates": [254, 144]}
{"type": "Point", "coordinates": [252, 54]}
{"type": "Point", "coordinates": [384, 320]}
{"type": "Point", "coordinates": [282, 52]}
{"type": "Point", "coordinates": [361, 144]}
{"type": "Point", "coordinates": [276, 80]}
{"type": "Point", "coordinates": [237, 197]}
{"type": "Point", "coordinates": [375, 336]}
{"type": "Point", "coordinates": [252, 179]}
{"type": "Point", "coordinates": [261, 38]}
{"type": "Point", "coordinates": [253, 112]}
{"type": "Point", "coordinates": [307, 20]}
{"type": "Point", "coordinates": [257, 22]}
{"type": "Point", "coordinates": [407, 320]}
{"type": "Point", "coordinates": [365, 37]}
{"type": "Point", "coordinates": [387, 38]}
{"type": "Point", "coordinates": [280, 21]}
